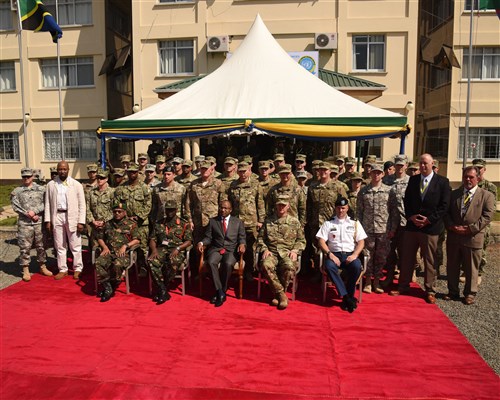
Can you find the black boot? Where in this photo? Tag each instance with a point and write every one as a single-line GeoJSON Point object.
{"type": "Point", "coordinates": [221, 298]}
{"type": "Point", "coordinates": [107, 292]}
{"type": "Point", "coordinates": [163, 295]}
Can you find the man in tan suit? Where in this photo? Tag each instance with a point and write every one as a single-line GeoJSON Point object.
{"type": "Point", "coordinates": [470, 212]}
{"type": "Point", "coordinates": [65, 218]}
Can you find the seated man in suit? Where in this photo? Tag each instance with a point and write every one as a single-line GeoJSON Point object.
{"type": "Point", "coordinates": [224, 234]}
{"type": "Point", "coordinates": [280, 240]}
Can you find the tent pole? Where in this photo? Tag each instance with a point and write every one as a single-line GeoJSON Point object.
{"type": "Point", "coordinates": [103, 152]}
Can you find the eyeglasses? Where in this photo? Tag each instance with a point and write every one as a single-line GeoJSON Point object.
{"type": "Point", "coordinates": [299, 162]}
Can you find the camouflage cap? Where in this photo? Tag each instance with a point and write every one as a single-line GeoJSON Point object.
{"type": "Point", "coordinates": [170, 204]}
{"type": "Point", "coordinates": [150, 167]}
{"type": "Point", "coordinates": [177, 160]}
{"type": "Point", "coordinates": [350, 161]}
{"type": "Point", "coordinates": [199, 158]}
{"type": "Point", "coordinates": [264, 164]}
{"type": "Point", "coordinates": [413, 165]}
{"type": "Point", "coordinates": [125, 158]}
{"type": "Point", "coordinates": [246, 158]}
{"type": "Point", "coordinates": [401, 159]}
{"type": "Point", "coordinates": [160, 159]}
{"type": "Point", "coordinates": [53, 170]}
{"type": "Point", "coordinates": [133, 167]}
{"type": "Point", "coordinates": [92, 168]}
{"type": "Point", "coordinates": [300, 157]}
{"type": "Point", "coordinates": [187, 163]}
{"type": "Point", "coordinates": [355, 176]}
{"type": "Point", "coordinates": [117, 204]}
{"type": "Point", "coordinates": [119, 172]}
{"type": "Point", "coordinates": [377, 167]}
{"type": "Point", "coordinates": [279, 157]}
{"type": "Point", "coordinates": [142, 156]}
{"type": "Point", "coordinates": [102, 173]}
{"type": "Point", "coordinates": [339, 157]}
{"type": "Point", "coordinates": [281, 199]}
{"type": "Point", "coordinates": [205, 164]}
{"type": "Point", "coordinates": [243, 166]}
{"type": "Point", "coordinates": [285, 168]}
{"type": "Point", "coordinates": [325, 165]}
{"type": "Point", "coordinates": [211, 159]}
{"type": "Point", "coordinates": [370, 159]}
{"type": "Point", "coordinates": [334, 169]}
{"type": "Point", "coordinates": [26, 172]}
{"type": "Point", "coordinates": [478, 162]}
{"type": "Point", "coordinates": [436, 163]}
{"type": "Point", "coordinates": [301, 175]}
{"type": "Point", "coordinates": [230, 160]}
{"type": "Point", "coordinates": [315, 163]}
{"type": "Point", "coordinates": [341, 201]}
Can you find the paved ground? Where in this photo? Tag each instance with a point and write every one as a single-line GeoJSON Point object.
{"type": "Point", "coordinates": [479, 322]}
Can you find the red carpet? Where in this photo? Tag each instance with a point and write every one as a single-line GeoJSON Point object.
{"type": "Point", "coordinates": [59, 342]}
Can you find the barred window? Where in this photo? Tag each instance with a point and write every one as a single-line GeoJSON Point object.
{"type": "Point", "coordinates": [77, 145]}
{"type": "Point", "coordinates": [7, 76]}
{"type": "Point", "coordinates": [482, 143]}
{"type": "Point", "coordinates": [368, 52]}
{"type": "Point", "coordinates": [75, 71]}
{"type": "Point", "coordinates": [9, 146]}
{"type": "Point", "coordinates": [176, 56]}
{"type": "Point", "coordinates": [71, 12]}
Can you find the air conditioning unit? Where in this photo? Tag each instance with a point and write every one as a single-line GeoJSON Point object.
{"type": "Point", "coordinates": [325, 41]}
{"type": "Point", "coordinates": [218, 44]}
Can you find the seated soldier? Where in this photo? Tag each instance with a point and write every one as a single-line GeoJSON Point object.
{"type": "Point", "coordinates": [280, 240]}
{"type": "Point", "coordinates": [118, 236]}
{"type": "Point", "coordinates": [170, 237]}
{"type": "Point", "coordinates": [342, 240]}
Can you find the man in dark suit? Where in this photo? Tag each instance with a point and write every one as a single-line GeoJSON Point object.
{"type": "Point", "coordinates": [224, 234]}
{"type": "Point", "coordinates": [470, 212]}
{"type": "Point", "coordinates": [426, 201]}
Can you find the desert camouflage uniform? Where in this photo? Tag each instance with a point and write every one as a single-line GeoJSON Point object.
{"type": "Point", "coordinates": [109, 268]}
{"type": "Point", "coordinates": [226, 182]}
{"type": "Point", "coordinates": [280, 236]}
{"type": "Point", "coordinates": [161, 194]}
{"type": "Point", "coordinates": [168, 235]}
{"type": "Point", "coordinates": [185, 181]}
{"type": "Point", "coordinates": [389, 180]}
{"type": "Point", "coordinates": [398, 216]}
{"type": "Point", "coordinates": [98, 209]}
{"type": "Point", "coordinates": [353, 198]}
{"type": "Point", "coordinates": [295, 196]}
{"type": "Point", "coordinates": [373, 214]}
{"type": "Point", "coordinates": [266, 186]}
{"type": "Point", "coordinates": [24, 199]}
{"type": "Point", "coordinates": [490, 187]}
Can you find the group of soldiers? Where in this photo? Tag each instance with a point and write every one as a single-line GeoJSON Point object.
{"type": "Point", "coordinates": [163, 208]}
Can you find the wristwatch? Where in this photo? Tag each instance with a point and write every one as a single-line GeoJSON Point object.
{"type": "Point", "coordinates": [178, 248]}
{"type": "Point", "coordinates": [329, 252]}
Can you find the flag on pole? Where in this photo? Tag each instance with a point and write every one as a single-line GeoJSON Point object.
{"type": "Point", "coordinates": [35, 17]}
{"type": "Point", "coordinates": [490, 5]}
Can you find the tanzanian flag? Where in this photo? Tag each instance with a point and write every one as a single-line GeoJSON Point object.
{"type": "Point", "coordinates": [35, 17]}
{"type": "Point", "coordinates": [490, 5]}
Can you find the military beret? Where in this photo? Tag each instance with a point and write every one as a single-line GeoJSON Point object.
{"type": "Point", "coordinates": [170, 204]}
{"type": "Point", "coordinates": [377, 167]}
{"type": "Point", "coordinates": [177, 160]}
{"type": "Point", "coordinates": [341, 201]}
{"type": "Point", "coordinates": [388, 164]}
{"type": "Point", "coordinates": [92, 168]}
{"type": "Point", "coordinates": [151, 167]}
{"type": "Point", "coordinates": [125, 158]}
{"type": "Point", "coordinates": [301, 175]}
{"type": "Point", "coordinates": [160, 159]}
{"type": "Point", "coordinates": [339, 157]}
{"type": "Point", "coordinates": [401, 159]}
{"type": "Point", "coordinates": [142, 155]}
{"type": "Point", "coordinates": [205, 164]}
{"type": "Point", "coordinates": [350, 161]}
{"type": "Point", "coordinates": [279, 157]}
{"type": "Point", "coordinates": [133, 167]}
{"type": "Point", "coordinates": [300, 157]}
{"type": "Point", "coordinates": [26, 172]}
{"type": "Point", "coordinates": [478, 162]}
{"type": "Point", "coordinates": [187, 163]}
{"type": "Point", "coordinates": [264, 164]}
{"type": "Point", "coordinates": [168, 168]}
{"type": "Point", "coordinates": [102, 173]}
{"type": "Point", "coordinates": [199, 158]}
{"type": "Point", "coordinates": [243, 166]}
{"type": "Point", "coordinates": [230, 160]}
{"type": "Point", "coordinates": [283, 200]}
{"type": "Point", "coordinates": [53, 170]}
{"type": "Point", "coordinates": [119, 172]}
{"type": "Point", "coordinates": [285, 168]}
{"type": "Point", "coordinates": [211, 159]}
{"type": "Point", "coordinates": [117, 204]}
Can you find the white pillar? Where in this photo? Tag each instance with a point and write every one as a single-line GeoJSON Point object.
{"type": "Point", "coordinates": [352, 148]}
{"type": "Point", "coordinates": [195, 150]}
{"type": "Point", "coordinates": [187, 149]}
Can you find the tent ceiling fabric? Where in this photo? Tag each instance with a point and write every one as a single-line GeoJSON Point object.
{"type": "Point", "coordinates": [259, 86]}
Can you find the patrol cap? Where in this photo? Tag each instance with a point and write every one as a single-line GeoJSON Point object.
{"type": "Point", "coordinates": [150, 167]}
{"type": "Point", "coordinates": [339, 157]}
{"type": "Point", "coordinates": [167, 168]}
{"type": "Point", "coordinates": [264, 164]}
{"type": "Point", "coordinates": [230, 160]}
{"type": "Point", "coordinates": [324, 165]}
{"type": "Point", "coordinates": [300, 157]}
{"type": "Point", "coordinates": [199, 158]}
{"type": "Point", "coordinates": [246, 158]}
{"type": "Point", "coordinates": [187, 163]}
{"type": "Point", "coordinates": [413, 165]}
{"type": "Point", "coordinates": [478, 162]}
{"type": "Point", "coordinates": [205, 164]}
{"type": "Point", "coordinates": [283, 200]}
{"type": "Point", "coordinates": [279, 157]}
{"type": "Point", "coordinates": [355, 176]}
{"type": "Point", "coordinates": [177, 160]}
{"type": "Point", "coordinates": [142, 156]}
{"type": "Point", "coordinates": [315, 163]}
{"type": "Point", "coordinates": [285, 168]}
{"type": "Point", "coordinates": [170, 204]}
{"type": "Point", "coordinates": [26, 172]}
{"type": "Point", "coordinates": [102, 173]}
{"type": "Point", "coordinates": [301, 175]}
{"type": "Point", "coordinates": [119, 172]}
{"type": "Point", "coordinates": [118, 205]}
{"type": "Point", "coordinates": [377, 167]}
{"type": "Point", "coordinates": [341, 201]}
{"type": "Point", "coordinates": [243, 166]}
{"type": "Point", "coordinates": [350, 161]}
{"type": "Point", "coordinates": [400, 159]}
{"type": "Point", "coordinates": [334, 169]}
{"type": "Point", "coordinates": [211, 159]}
{"type": "Point", "coordinates": [92, 168]}
{"type": "Point", "coordinates": [370, 159]}
{"type": "Point", "coordinates": [125, 158]}
{"type": "Point", "coordinates": [53, 170]}
{"type": "Point", "coordinates": [436, 163]}
{"type": "Point", "coordinates": [133, 167]}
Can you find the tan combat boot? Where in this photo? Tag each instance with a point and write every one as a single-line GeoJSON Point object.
{"type": "Point", "coordinates": [26, 274]}
{"type": "Point", "coordinates": [376, 286]}
{"type": "Point", "coordinates": [44, 271]}
{"type": "Point", "coordinates": [274, 302]}
{"type": "Point", "coordinates": [283, 301]}
{"type": "Point", "coordinates": [367, 288]}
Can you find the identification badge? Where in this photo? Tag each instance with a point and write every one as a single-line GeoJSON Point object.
{"type": "Point", "coordinates": [165, 242]}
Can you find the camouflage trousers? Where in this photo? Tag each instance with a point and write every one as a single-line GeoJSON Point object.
{"type": "Point", "coordinates": [143, 236]}
{"type": "Point", "coordinates": [27, 235]}
{"type": "Point", "coordinates": [110, 267]}
{"type": "Point", "coordinates": [164, 268]}
{"type": "Point", "coordinates": [251, 239]}
{"type": "Point", "coordinates": [279, 272]}
{"type": "Point", "coordinates": [378, 245]}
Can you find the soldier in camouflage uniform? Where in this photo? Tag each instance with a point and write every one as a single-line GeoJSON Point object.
{"type": "Point", "coordinates": [350, 164]}
{"type": "Point", "coordinates": [177, 166]}
{"type": "Point", "coordinates": [300, 165]}
{"type": "Point", "coordinates": [53, 173]}
{"type": "Point", "coordinates": [230, 174]}
{"type": "Point", "coordinates": [28, 201]}
{"type": "Point", "coordinates": [187, 177]}
{"type": "Point", "coordinates": [137, 196]}
{"type": "Point", "coordinates": [367, 167]}
{"type": "Point", "coordinates": [213, 163]}
{"type": "Point", "coordinates": [92, 183]}
{"type": "Point", "coordinates": [98, 203]}
{"type": "Point", "coordinates": [168, 240]}
{"type": "Point", "coordinates": [334, 173]}
{"type": "Point", "coordinates": [197, 163]}
{"type": "Point", "coordinates": [266, 182]}
{"type": "Point", "coordinates": [169, 189]}
{"type": "Point", "coordinates": [340, 162]}
{"type": "Point", "coordinates": [248, 205]}
{"type": "Point", "coordinates": [279, 160]}
{"type": "Point", "coordinates": [302, 181]}
{"type": "Point", "coordinates": [288, 187]}
{"type": "Point", "coordinates": [142, 161]}
{"type": "Point", "coordinates": [160, 164]}
{"type": "Point", "coordinates": [373, 214]}
{"type": "Point", "coordinates": [490, 187]}
{"type": "Point", "coordinates": [280, 241]}
{"type": "Point", "coordinates": [116, 239]}
{"type": "Point", "coordinates": [118, 177]}
{"type": "Point", "coordinates": [354, 182]}
{"type": "Point", "coordinates": [150, 178]}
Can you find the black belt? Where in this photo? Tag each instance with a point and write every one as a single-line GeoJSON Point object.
{"type": "Point", "coordinates": [62, 211]}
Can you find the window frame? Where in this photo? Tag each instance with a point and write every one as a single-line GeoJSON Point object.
{"type": "Point", "coordinates": [15, 147]}
{"type": "Point", "coordinates": [5, 6]}
{"type": "Point", "coordinates": [479, 134]}
{"type": "Point", "coordinates": [476, 50]}
{"type": "Point", "coordinates": [70, 137]}
{"type": "Point", "coordinates": [368, 43]}
{"type": "Point", "coordinates": [70, 63]}
{"type": "Point", "coordinates": [162, 62]}
{"type": "Point", "coordinates": [51, 7]}
{"type": "Point", "coordinates": [2, 70]}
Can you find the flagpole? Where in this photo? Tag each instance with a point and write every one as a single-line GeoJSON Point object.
{"type": "Point", "coordinates": [59, 88]}
{"type": "Point", "coordinates": [467, 103]}
{"type": "Point", "coordinates": [21, 67]}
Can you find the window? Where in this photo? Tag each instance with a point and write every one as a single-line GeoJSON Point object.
{"type": "Point", "coordinates": [436, 142]}
{"type": "Point", "coordinates": [78, 71]}
{"type": "Point", "coordinates": [485, 63]}
{"type": "Point", "coordinates": [176, 56]}
{"type": "Point", "coordinates": [77, 145]}
{"type": "Point", "coordinates": [6, 16]}
{"type": "Point", "coordinates": [71, 12]}
{"type": "Point", "coordinates": [476, 5]}
{"type": "Point", "coordinates": [483, 143]}
{"type": "Point", "coordinates": [439, 77]}
{"type": "Point", "coordinates": [176, 1]}
{"type": "Point", "coordinates": [368, 52]}
{"type": "Point", "coordinates": [9, 146]}
{"type": "Point", "coordinates": [7, 76]}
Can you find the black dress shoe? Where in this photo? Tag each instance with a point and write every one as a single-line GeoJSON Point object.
{"type": "Point", "coordinates": [220, 300]}
{"type": "Point", "coordinates": [214, 298]}
{"type": "Point", "coordinates": [163, 297]}
{"type": "Point", "coordinates": [451, 297]}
